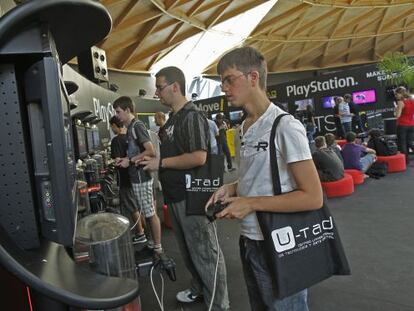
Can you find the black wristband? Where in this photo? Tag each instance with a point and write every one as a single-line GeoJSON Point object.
{"type": "Point", "coordinates": [160, 164]}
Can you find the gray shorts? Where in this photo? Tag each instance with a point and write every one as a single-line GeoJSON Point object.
{"type": "Point", "coordinates": [145, 198]}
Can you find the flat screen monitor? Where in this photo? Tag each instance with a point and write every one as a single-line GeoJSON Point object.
{"type": "Point", "coordinates": [96, 139]}
{"type": "Point", "coordinates": [303, 103]}
{"type": "Point", "coordinates": [364, 97]}
{"type": "Point", "coordinates": [328, 102]}
{"type": "Point", "coordinates": [81, 142]}
{"type": "Point", "coordinates": [51, 132]}
{"type": "Point", "coordinates": [89, 141]}
{"type": "Point", "coordinates": [236, 116]}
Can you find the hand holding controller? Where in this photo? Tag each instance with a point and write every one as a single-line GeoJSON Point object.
{"type": "Point", "coordinates": [214, 209]}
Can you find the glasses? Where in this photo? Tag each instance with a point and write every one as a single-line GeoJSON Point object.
{"type": "Point", "coordinates": [229, 80]}
{"type": "Point", "coordinates": [159, 89]}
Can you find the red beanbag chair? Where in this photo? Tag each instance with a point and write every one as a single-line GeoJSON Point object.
{"type": "Point", "coordinates": [340, 142]}
{"type": "Point", "coordinates": [339, 188]}
{"type": "Point", "coordinates": [396, 163]}
{"type": "Point", "coordinates": [357, 176]}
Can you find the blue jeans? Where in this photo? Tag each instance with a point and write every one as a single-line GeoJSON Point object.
{"type": "Point", "coordinates": [259, 282]}
{"type": "Point", "coordinates": [347, 126]}
{"type": "Point", "coordinates": [366, 162]}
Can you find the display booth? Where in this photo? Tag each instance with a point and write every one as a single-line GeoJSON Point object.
{"type": "Point", "coordinates": [38, 178]}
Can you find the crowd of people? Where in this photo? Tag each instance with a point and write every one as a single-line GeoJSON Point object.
{"type": "Point", "coordinates": [186, 138]}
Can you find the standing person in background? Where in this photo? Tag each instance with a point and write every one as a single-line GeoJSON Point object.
{"type": "Point", "coordinates": [344, 114]}
{"type": "Point", "coordinates": [243, 73]}
{"type": "Point", "coordinates": [128, 203]}
{"type": "Point", "coordinates": [160, 119]}
{"type": "Point", "coordinates": [310, 123]}
{"type": "Point", "coordinates": [183, 149]}
{"type": "Point", "coordinates": [339, 128]}
{"type": "Point", "coordinates": [405, 121]}
{"type": "Point", "coordinates": [139, 145]}
{"type": "Point", "coordinates": [214, 134]}
{"type": "Point", "coordinates": [354, 109]}
{"type": "Point", "coordinates": [222, 140]}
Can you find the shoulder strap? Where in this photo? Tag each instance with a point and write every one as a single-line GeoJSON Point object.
{"type": "Point", "coordinates": [134, 134]}
{"type": "Point", "coordinates": [273, 158]}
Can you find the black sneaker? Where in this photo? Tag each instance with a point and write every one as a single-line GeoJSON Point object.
{"type": "Point", "coordinates": [187, 296]}
{"type": "Point", "coordinates": [139, 239]}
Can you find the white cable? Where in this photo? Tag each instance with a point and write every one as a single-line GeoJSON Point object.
{"type": "Point", "coordinates": [160, 302]}
{"type": "Point", "coordinates": [217, 263]}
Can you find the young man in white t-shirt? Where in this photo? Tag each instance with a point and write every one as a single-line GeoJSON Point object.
{"type": "Point", "coordinates": [243, 72]}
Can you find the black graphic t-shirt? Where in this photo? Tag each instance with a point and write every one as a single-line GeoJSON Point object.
{"type": "Point", "coordinates": [185, 131]}
{"type": "Point", "coordinates": [119, 147]}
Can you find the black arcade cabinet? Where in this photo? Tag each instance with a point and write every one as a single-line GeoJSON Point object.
{"type": "Point", "coordinates": [38, 178]}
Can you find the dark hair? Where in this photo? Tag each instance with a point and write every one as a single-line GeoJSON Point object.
{"type": "Point", "coordinates": [245, 59]}
{"type": "Point", "coordinates": [374, 133]}
{"type": "Point", "coordinates": [320, 141]}
{"type": "Point", "coordinates": [173, 74]}
{"type": "Point", "coordinates": [115, 120]}
{"type": "Point", "coordinates": [124, 102]}
{"type": "Point", "coordinates": [350, 137]}
{"type": "Point", "coordinates": [330, 139]}
{"type": "Point", "coordinates": [348, 96]}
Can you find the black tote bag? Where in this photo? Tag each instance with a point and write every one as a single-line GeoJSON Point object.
{"type": "Point", "coordinates": [201, 182]}
{"type": "Point", "coordinates": [301, 248]}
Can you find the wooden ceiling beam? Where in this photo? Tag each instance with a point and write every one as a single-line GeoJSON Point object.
{"type": "Point", "coordinates": [296, 57]}
{"type": "Point", "coordinates": [125, 12]}
{"type": "Point", "coordinates": [140, 38]}
{"type": "Point", "coordinates": [394, 21]}
{"type": "Point", "coordinates": [194, 9]}
{"type": "Point", "coordinates": [211, 20]}
{"type": "Point", "coordinates": [331, 35]}
{"type": "Point", "coordinates": [345, 52]}
{"type": "Point", "coordinates": [136, 20]}
{"type": "Point", "coordinates": [174, 32]}
{"type": "Point", "coordinates": [273, 22]}
{"type": "Point", "coordinates": [169, 4]}
{"type": "Point", "coordinates": [289, 36]}
{"type": "Point", "coordinates": [243, 8]}
{"type": "Point", "coordinates": [379, 29]}
{"type": "Point", "coordinates": [319, 19]}
{"type": "Point", "coordinates": [208, 5]}
{"type": "Point", "coordinates": [110, 2]}
{"type": "Point", "coordinates": [162, 47]}
{"type": "Point", "coordinates": [345, 27]}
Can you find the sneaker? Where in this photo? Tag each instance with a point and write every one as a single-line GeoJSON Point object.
{"type": "Point", "coordinates": [187, 296]}
{"type": "Point", "coordinates": [139, 239]}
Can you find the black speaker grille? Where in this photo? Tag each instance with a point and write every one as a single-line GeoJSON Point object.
{"type": "Point", "coordinates": [17, 210]}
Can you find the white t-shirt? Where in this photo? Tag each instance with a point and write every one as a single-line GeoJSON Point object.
{"type": "Point", "coordinates": [255, 173]}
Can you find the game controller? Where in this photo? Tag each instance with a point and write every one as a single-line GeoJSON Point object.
{"type": "Point", "coordinates": [167, 264]}
{"type": "Point", "coordinates": [214, 209]}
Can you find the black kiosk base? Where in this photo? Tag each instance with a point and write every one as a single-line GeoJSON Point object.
{"type": "Point", "coordinates": [38, 178]}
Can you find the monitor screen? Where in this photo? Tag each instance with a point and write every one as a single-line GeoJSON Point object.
{"type": "Point", "coordinates": [236, 116]}
{"type": "Point", "coordinates": [89, 140]}
{"type": "Point", "coordinates": [81, 142]}
{"type": "Point", "coordinates": [328, 102]}
{"type": "Point", "coordinates": [302, 103]}
{"type": "Point", "coordinates": [364, 97]}
{"type": "Point", "coordinates": [96, 139]}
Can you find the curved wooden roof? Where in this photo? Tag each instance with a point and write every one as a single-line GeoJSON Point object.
{"type": "Point", "coordinates": [295, 35]}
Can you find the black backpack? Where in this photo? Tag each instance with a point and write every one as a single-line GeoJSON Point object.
{"type": "Point", "coordinates": [377, 170]}
{"type": "Point", "coordinates": [392, 147]}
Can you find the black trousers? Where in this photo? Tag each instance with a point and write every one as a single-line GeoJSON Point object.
{"type": "Point", "coordinates": [405, 139]}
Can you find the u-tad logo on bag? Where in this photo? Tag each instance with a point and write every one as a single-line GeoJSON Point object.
{"type": "Point", "coordinates": [283, 239]}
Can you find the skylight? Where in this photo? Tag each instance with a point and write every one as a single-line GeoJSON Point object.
{"type": "Point", "coordinates": [196, 53]}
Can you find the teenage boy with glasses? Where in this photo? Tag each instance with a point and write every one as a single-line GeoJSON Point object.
{"type": "Point", "coordinates": [183, 148]}
{"type": "Point", "coordinates": [301, 188]}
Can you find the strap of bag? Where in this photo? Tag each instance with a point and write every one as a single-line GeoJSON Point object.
{"type": "Point", "coordinates": [277, 189]}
